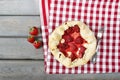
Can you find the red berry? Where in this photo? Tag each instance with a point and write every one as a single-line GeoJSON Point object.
{"type": "Point", "coordinates": [31, 39]}
{"type": "Point", "coordinates": [73, 47]}
{"type": "Point", "coordinates": [80, 52]}
{"type": "Point", "coordinates": [79, 40]}
{"type": "Point", "coordinates": [63, 46]}
{"type": "Point", "coordinates": [82, 49]}
{"type": "Point", "coordinates": [73, 57]}
{"type": "Point", "coordinates": [76, 28]}
{"type": "Point", "coordinates": [79, 55]}
{"type": "Point", "coordinates": [37, 44]}
{"type": "Point", "coordinates": [67, 38]}
{"type": "Point", "coordinates": [34, 31]}
{"type": "Point", "coordinates": [69, 30]}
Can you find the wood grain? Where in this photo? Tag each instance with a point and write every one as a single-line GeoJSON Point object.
{"type": "Point", "coordinates": [18, 48]}
{"type": "Point", "coordinates": [19, 7]}
{"type": "Point", "coordinates": [13, 37]}
{"type": "Point", "coordinates": [34, 70]}
{"type": "Point", "coordinates": [17, 25]}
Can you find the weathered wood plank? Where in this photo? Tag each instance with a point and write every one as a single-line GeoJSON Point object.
{"type": "Point", "coordinates": [34, 70]}
{"type": "Point", "coordinates": [19, 48]}
{"type": "Point", "coordinates": [21, 70]}
{"type": "Point", "coordinates": [17, 25]}
{"type": "Point", "coordinates": [19, 7]}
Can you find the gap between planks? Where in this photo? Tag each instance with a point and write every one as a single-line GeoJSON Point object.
{"type": "Point", "coordinates": [17, 59]}
{"type": "Point", "coordinates": [18, 15]}
{"type": "Point", "coordinates": [18, 36]}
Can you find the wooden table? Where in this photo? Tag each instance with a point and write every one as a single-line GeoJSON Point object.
{"type": "Point", "coordinates": [19, 60]}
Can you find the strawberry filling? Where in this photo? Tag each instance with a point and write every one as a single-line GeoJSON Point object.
{"type": "Point", "coordinates": [72, 46]}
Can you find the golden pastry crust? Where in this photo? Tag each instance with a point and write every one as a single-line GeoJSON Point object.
{"type": "Point", "coordinates": [85, 32]}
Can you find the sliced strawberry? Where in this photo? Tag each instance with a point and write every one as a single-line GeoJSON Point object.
{"type": "Point", "coordinates": [67, 38]}
{"type": "Point", "coordinates": [76, 28]}
{"type": "Point", "coordinates": [79, 40]}
{"type": "Point", "coordinates": [75, 35]}
{"type": "Point", "coordinates": [73, 57]}
{"type": "Point", "coordinates": [73, 47]}
{"type": "Point", "coordinates": [69, 30]}
{"type": "Point", "coordinates": [79, 53]}
{"type": "Point", "coordinates": [70, 55]}
{"type": "Point", "coordinates": [63, 46]}
{"type": "Point", "coordinates": [82, 49]}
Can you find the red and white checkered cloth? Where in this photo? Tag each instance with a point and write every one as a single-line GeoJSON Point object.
{"type": "Point", "coordinates": [96, 14]}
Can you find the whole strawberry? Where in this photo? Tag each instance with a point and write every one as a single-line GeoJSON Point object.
{"type": "Point", "coordinates": [31, 39]}
{"type": "Point", "coordinates": [37, 44]}
{"type": "Point", "coordinates": [34, 31]}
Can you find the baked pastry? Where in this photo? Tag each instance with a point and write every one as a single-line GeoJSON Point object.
{"type": "Point", "coordinates": [72, 43]}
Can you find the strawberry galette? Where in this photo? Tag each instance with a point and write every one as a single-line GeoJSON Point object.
{"type": "Point", "coordinates": [72, 43]}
